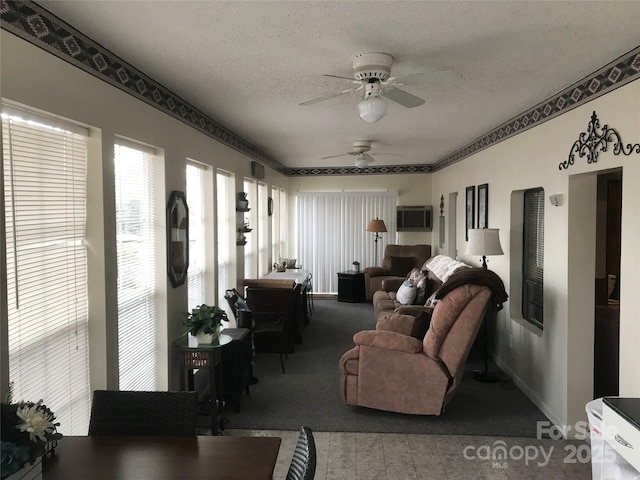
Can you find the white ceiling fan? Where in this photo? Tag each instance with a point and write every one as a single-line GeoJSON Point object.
{"type": "Point", "coordinates": [372, 76]}
{"type": "Point", "coordinates": [360, 151]}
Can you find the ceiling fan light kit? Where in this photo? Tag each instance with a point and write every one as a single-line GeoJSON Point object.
{"type": "Point", "coordinates": [361, 161]}
{"type": "Point", "coordinates": [372, 109]}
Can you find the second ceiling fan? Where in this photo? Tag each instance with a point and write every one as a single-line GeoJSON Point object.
{"type": "Point", "coordinates": [360, 151]}
{"type": "Point", "coordinates": [372, 76]}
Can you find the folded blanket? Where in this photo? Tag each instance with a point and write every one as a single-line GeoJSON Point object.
{"type": "Point", "coordinates": [476, 276]}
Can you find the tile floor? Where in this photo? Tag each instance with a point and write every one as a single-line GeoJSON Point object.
{"type": "Point", "coordinates": [388, 456]}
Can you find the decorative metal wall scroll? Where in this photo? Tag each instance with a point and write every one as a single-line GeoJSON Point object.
{"type": "Point", "coordinates": [596, 140]}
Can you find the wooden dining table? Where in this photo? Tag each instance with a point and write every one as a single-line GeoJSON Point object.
{"type": "Point", "coordinates": [162, 457]}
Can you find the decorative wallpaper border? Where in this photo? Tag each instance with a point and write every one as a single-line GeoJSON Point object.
{"type": "Point", "coordinates": [38, 26]}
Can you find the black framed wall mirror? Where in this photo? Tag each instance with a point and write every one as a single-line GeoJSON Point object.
{"type": "Point", "coordinates": [177, 238]}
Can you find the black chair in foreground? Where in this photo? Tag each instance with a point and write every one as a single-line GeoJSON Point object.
{"type": "Point", "coordinates": [123, 412]}
{"type": "Point", "coordinates": [303, 463]}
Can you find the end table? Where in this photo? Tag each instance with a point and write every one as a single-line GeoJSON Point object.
{"type": "Point", "coordinates": [209, 357]}
{"type": "Point", "coordinates": [351, 286]}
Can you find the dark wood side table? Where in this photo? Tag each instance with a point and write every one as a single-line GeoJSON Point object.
{"type": "Point", "coordinates": [236, 365]}
{"type": "Point", "coordinates": [351, 286]}
{"type": "Point", "coordinates": [209, 357]}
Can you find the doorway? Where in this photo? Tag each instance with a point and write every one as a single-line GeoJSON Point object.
{"type": "Point", "coordinates": [607, 285]}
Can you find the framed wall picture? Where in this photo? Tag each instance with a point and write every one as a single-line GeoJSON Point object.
{"type": "Point", "coordinates": [470, 215]}
{"type": "Point", "coordinates": [483, 205]}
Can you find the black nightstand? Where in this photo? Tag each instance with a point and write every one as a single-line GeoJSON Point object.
{"type": "Point", "coordinates": [351, 286]}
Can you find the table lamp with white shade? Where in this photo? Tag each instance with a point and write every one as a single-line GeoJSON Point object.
{"type": "Point", "coordinates": [484, 241]}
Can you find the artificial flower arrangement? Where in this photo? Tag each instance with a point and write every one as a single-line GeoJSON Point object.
{"type": "Point", "coordinates": [28, 432]}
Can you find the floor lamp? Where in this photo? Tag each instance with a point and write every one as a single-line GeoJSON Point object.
{"type": "Point", "coordinates": [484, 241]}
{"type": "Point", "coordinates": [377, 226]}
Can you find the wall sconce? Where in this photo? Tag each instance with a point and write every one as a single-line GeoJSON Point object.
{"type": "Point", "coordinates": [556, 200]}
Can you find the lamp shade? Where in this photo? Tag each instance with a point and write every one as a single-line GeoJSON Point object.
{"type": "Point", "coordinates": [484, 241]}
{"type": "Point", "coordinates": [376, 226]}
{"type": "Point", "coordinates": [372, 109]}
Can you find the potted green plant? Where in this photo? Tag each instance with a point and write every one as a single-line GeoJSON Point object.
{"type": "Point", "coordinates": [204, 322]}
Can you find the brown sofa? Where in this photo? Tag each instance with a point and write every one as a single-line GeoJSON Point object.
{"type": "Point", "coordinates": [393, 371]}
{"type": "Point", "coordinates": [396, 263]}
{"type": "Point", "coordinates": [437, 269]}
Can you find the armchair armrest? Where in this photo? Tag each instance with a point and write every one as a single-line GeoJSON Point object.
{"type": "Point", "coordinates": [392, 284]}
{"type": "Point", "coordinates": [376, 271]}
{"type": "Point", "coordinates": [414, 310]}
{"type": "Point", "coordinates": [388, 340]}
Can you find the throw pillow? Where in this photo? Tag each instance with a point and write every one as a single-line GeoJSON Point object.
{"type": "Point", "coordinates": [419, 279]}
{"type": "Point", "coordinates": [406, 293]}
{"type": "Point", "coordinates": [432, 300]}
{"type": "Point", "coordinates": [400, 266]}
{"type": "Point", "coordinates": [421, 324]}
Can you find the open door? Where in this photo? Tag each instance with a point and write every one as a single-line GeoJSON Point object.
{"type": "Point", "coordinates": [607, 302]}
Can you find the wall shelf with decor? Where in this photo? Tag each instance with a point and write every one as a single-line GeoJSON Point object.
{"type": "Point", "coordinates": [241, 240]}
{"type": "Point", "coordinates": [242, 204]}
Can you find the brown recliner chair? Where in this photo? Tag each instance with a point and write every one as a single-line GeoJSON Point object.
{"type": "Point", "coordinates": [393, 371]}
{"type": "Point", "coordinates": [396, 264]}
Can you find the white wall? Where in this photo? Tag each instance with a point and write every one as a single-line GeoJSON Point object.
{"type": "Point", "coordinates": [32, 77]}
{"type": "Point", "coordinates": [555, 366]}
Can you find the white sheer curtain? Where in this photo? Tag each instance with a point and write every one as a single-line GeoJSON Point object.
{"type": "Point", "coordinates": [331, 231]}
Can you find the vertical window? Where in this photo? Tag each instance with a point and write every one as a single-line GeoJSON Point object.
{"type": "Point", "coordinates": [533, 257]}
{"type": "Point", "coordinates": [198, 197]}
{"type": "Point", "coordinates": [250, 222]}
{"type": "Point", "coordinates": [322, 215]}
{"type": "Point", "coordinates": [226, 234]}
{"type": "Point", "coordinates": [137, 248]}
{"type": "Point", "coordinates": [279, 243]}
{"type": "Point", "coordinates": [263, 231]}
{"type": "Point", "coordinates": [45, 176]}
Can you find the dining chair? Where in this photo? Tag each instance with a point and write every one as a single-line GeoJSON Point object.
{"type": "Point", "coordinates": [303, 463]}
{"type": "Point", "coordinates": [265, 318]}
{"type": "Point", "coordinates": [123, 412]}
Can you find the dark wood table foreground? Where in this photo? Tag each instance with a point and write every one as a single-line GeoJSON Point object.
{"type": "Point", "coordinates": [162, 457]}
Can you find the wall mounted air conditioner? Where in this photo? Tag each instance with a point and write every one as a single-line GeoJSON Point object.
{"type": "Point", "coordinates": [415, 218]}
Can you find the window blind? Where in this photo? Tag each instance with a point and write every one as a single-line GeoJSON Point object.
{"type": "Point", "coordinates": [331, 232]}
{"type": "Point", "coordinates": [264, 262]}
{"type": "Point", "coordinates": [45, 170]}
{"type": "Point", "coordinates": [226, 234]}
{"type": "Point", "coordinates": [196, 198]}
{"type": "Point", "coordinates": [533, 257]}
{"type": "Point", "coordinates": [137, 247]}
{"type": "Point", "coordinates": [250, 217]}
{"type": "Point", "coordinates": [279, 247]}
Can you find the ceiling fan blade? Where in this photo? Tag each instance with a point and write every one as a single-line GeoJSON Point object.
{"type": "Point", "coordinates": [335, 156]}
{"type": "Point", "coordinates": [343, 78]}
{"type": "Point", "coordinates": [436, 78]}
{"type": "Point", "coordinates": [327, 97]}
{"type": "Point", "coordinates": [368, 157]}
{"type": "Point", "coordinates": [403, 98]}
{"type": "Point", "coordinates": [388, 153]}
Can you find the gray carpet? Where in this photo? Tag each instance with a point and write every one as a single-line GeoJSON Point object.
{"type": "Point", "coordinates": [308, 392]}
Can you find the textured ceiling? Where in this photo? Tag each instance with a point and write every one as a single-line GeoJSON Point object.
{"type": "Point", "coordinates": [248, 65]}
